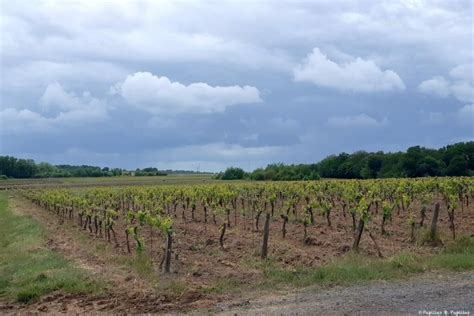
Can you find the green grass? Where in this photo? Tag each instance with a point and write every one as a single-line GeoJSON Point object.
{"type": "Point", "coordinates": [354, 268]}
{"type": "Point", "coordinates": [28, 270]}
{"type": "Point", "coordinates": [226, 285]}
{"type": "Point", "coordinates": [142, 265]}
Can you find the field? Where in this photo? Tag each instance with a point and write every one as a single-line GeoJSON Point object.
{"type": "Point", "coordinates": [198, 243]}
{"type": "Point", "coordinates": [102, 181]}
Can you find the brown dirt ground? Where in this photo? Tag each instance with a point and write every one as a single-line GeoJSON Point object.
{"type": "Point", "coordinates": [199, 265]}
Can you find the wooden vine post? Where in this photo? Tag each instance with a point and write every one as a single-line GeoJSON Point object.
{"type": "Point", "coordinates": [266, 233]}
{"type": "Point", "coordinates": [168, 251]}
{"type": "Point", "coordinates": [434, 222]}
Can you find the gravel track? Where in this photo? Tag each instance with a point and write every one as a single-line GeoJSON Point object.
{"type": "Point", "coordinates": [416, 296]}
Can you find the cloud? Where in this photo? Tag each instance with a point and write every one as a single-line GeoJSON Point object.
{"type": "Point", "coordinates": [160, 95]}
{"type": "Point", "coordinates": [38, 73]}
{"type": "Point", "coordinates": [358, 76]}
{"type": "Point", "coordinates": [357, 121]}
{"type": "Point", "coordinates": [462, 72]}
{"type": "Point", "coordinates": [55, 97]}
{"type": "Point", "coordinates": [91, 45]}
{"type": "Point", "coordinates": [24, 121]}
{"type": "Point", "coordinates": [228, 32]}
{"type": "Point", "coordinates": [58, 109]}
{"type": "Point", "coordinates": [460, 86]}
{"type": "Point", "coordinates": [437, 86]}
{"type": "Point", "coordinates": [131, 31]}
{"type": "Point", "coordinates": [73, 108]}
{"type": "Point", "coordinates": [463, 91]}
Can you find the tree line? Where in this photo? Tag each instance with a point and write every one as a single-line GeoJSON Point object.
{"type": "Point", "coordinates": [11, 167]}
{"type": "Point", "coordinates": [452, 160]}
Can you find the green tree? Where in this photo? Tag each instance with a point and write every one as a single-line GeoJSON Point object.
{"type": "Point", "coordinates": [430, 166]}
{"type": "Point", "coordinates": [233, 173]}
{"type": "Point", "coordinates": [458, 166]}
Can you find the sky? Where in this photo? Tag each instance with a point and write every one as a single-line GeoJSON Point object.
{"type": "Point", "coordinates": [211, 84]}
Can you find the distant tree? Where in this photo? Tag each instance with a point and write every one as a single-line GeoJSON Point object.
{"type": "Point", "coordinates": [149, 169]}
{"type": "Point", "coordinates": [46, 170]}
{"type": "Point", "coordinates": [314, 175]}
{"type": "Point", "coordinates": [410, 161]}
{"type": "Point", "coordinates": [233, 173]}
{"type": "Point", "coordinates": [328, 167]}
{"type": "Point", "coordinates": [458, 166]}
{"type": "Point", "coordinates": [17, 168]}
{"type": "Point", "coordinates": [392, 166]}
{"type": "Point", "coordinates": [374, 164]}
{"type": "Point", "coordinates": [258, 174]}
{"type": "Point", "coordinates": [430, 166]}
{"type": "Point", "coordinates": [116, 172]}
{"type": "Point", "coordinates": [452, 160]}
{"type": "Point", "coordinates": [415, 162]}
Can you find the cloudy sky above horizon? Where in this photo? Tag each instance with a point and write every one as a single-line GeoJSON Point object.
{"type": "Point", "coordinates": [212, 84]}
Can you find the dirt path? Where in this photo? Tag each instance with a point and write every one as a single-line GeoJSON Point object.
{"type": "Point", "coordinates": [431, 292]}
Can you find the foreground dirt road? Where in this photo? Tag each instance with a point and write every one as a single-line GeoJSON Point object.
{"type": "Point", "coordinates": [416, 296]}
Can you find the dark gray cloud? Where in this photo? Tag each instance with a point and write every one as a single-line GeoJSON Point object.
{"type": "Point", "coordinates": [213, 84]}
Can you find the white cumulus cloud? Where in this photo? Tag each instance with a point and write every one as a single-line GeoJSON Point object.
{"type": "Point", "coordinates": [161, 95]}
{"type": "Point", "coordinates": [460, 86]}
{"type": "Point", "coordinates": [34, 75]}
{"type": "Point", "coordinates": [438, 86]}
{"type": "Point", "coordinates": [54, 97]}
{"type": "Point", "coordinates": [358, 75]}
{"type": "Point", "coordinates": [73, 108]}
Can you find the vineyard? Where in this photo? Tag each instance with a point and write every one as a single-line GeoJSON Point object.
{"type": "Point", "coordinates": [183, 228]}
